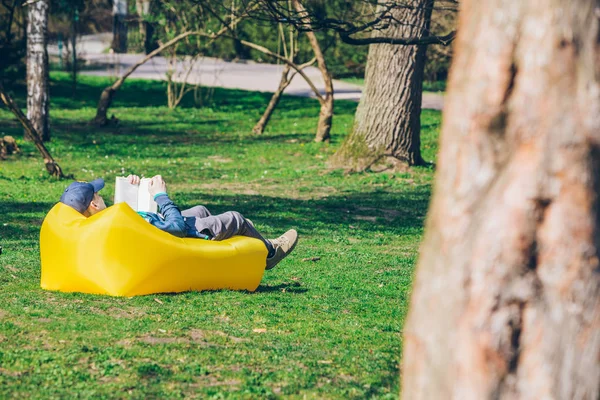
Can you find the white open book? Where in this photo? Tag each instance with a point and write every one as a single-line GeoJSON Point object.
{"type": "Point", "coordinates": [137, 196]}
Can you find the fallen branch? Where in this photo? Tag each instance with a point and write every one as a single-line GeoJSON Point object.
{"type": "Point", "coordinates": [51, 166]}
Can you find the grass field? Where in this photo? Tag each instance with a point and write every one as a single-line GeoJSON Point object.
{"type": "Point", "coordinates": [325, 329]}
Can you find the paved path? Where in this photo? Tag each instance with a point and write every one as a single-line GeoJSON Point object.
{"type": "Point", "coordinates": [215, 72]}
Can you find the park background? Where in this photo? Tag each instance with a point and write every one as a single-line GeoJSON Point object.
{"type": "Point", "coordinates": [354, 178]}
{"type": "Point", "coordinates": [325, 323]}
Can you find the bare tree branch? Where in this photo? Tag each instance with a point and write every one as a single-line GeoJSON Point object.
{"type": "Point", "coordinates": [268, 52]}
{"type": "Point", "coordinates": [354, 20]}
{"type": "Point", "coordinates": [108, 93]}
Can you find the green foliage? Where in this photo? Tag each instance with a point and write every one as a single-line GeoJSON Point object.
{"type": "Point", "coordinates": [333, 326]}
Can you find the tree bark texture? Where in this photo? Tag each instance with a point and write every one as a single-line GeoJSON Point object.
{"type": "Point", "coordinates": [326, 112]}
{"type": "Point", "coordinates": [387, 122]}
{"type": "Point", "coordinates": [37, 68]}
{"type": "Point", "coordinates": [506, 303]}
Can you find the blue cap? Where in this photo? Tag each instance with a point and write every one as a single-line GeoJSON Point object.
{"type": "Point", "coordinates": [79, 195]}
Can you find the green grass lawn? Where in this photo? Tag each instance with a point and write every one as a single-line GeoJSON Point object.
{"type": "Point", "coordinates": [325, 329]}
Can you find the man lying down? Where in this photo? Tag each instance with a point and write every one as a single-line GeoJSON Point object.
{"type": "Point", "coordinates": [196, 222]}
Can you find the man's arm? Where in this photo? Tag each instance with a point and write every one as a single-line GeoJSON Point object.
{"type": "Point", "coordinates": [173, 223]}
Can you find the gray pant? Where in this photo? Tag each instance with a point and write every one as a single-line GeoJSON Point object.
{"type": "Point", "coordinates": [222, 226]}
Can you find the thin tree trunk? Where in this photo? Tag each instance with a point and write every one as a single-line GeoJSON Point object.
{"type": "Point", "coordinates": [296, 67]}
{"type": "Point", "coordinates": [140, 8]}
{"type": "Point", "coordinates": [387, 122]}
{"type": "Point", "coordinates": [74, 23]}
{"type": "Point", "coordinates": [285, 81]}
{"type": "Point", "coordinates": [11, 14]}
{"type": "Point", "coordinates": [37, 68]}
{"type": "Point", "coordinates": [283, 84]}
{"type": "Point", "coordinates": [327, 109]}
{"type": "Point", "coordinates": [145, 27]}
{"type": "Point", "coordinates": [326, 112]}
{"type": "Point", "coordinates": [506, 303]}
{"type": "Point", "coordinates": [51, 166]}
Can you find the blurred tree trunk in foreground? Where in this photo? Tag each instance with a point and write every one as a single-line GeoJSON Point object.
{"type": "Point", "coordinates": [387, 122]}
{"type": "Point", "coordinates": [506, 303]}
{"type": "Point", "coordinates": [37, 68]}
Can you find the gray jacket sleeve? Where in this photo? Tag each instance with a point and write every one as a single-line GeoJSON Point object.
{"type": "Point", "coordinates": [173, 223]}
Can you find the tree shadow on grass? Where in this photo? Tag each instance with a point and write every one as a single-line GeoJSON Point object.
{"type": "Point", "coordinates": [353, 212]}
{"type": "Point", "coordinates": [20, 223]}
{"type": "Point", "coordinates": [144, 93]}
{"type": "Point", "coordinates": [159, 134]}
{"type": "Point", "coordinates": [341, 214]}
{"type": "Point", "coordinates": [149, 93]}
{"type": "Point", "coordinates": [145, 136]}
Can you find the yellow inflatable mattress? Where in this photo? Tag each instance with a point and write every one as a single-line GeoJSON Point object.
{"type": "Point", "coordinates": [116, 252]}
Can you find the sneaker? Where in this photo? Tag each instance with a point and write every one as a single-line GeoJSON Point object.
{"type": "Point", "coordinates": [283, 246]}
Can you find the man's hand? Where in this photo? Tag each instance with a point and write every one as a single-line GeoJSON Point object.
{"type": "Point", "coordinates": [133, 179]}
{"type": "Point", "coordinates": [157, 185]}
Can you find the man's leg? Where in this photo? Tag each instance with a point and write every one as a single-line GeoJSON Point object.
{"type": "Point", "coordinates": [232, 223]}
{"type": "Point", "coordinates": [198, 212]}
{"type": "Point", "coordinates": [229, 224]}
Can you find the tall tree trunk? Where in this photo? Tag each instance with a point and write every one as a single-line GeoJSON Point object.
{"type": "Point", "coordinates": [387, 122]}
{"type": "Point", "coordinates": [326, 112]}
{"type": "Point", "coordinates": [506, 303]}
{"type": "Point", "coordinates": [37, 68]}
